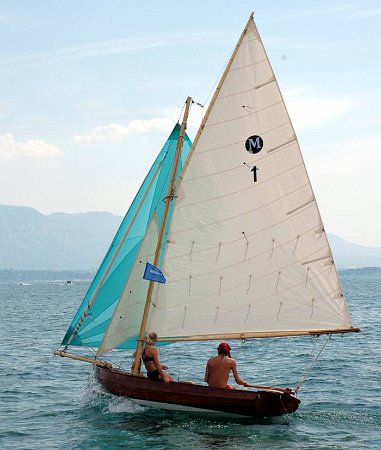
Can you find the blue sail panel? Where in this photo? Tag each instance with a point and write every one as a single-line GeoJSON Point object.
{"type": "Point", "coordinates": [148, 201]}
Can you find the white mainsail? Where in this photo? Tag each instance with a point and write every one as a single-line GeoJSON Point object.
{"type": "Point", "coordinates": [247, 258]}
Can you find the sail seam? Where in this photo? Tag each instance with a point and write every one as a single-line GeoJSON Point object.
{"type": "Point", "coordinates": [263, 133]}
{"type": "Point", "coordinates": [278, 147]}
{"type": "Point", "coordinates": [248, 65]}
{"type": "Point", "coordinates": [317, 259]}
{"type": "Point", "coordinates": [248, 188]}
{"type": "Point", "coordinates": [219, 147]}
{"type": "Point", "coordinates": [208, 249]}
{"type": "Point", "coordinates": [85, 333]}
{"type": "Point", "coordinates": [234, 119]}
{"type": "Point", "coordinates": [301, 206]}
{"type": "Point", "coordinates": [265, 83]}
{"type": "Point", "coordinates": [247, 41]}
{"type": "Point", "coordinates": [258, 86]}
{"type": "Point", "coordinates": [306, 307]}
{"type": "Point", "coordinates": [241, 215]}
{"type": "Point", "coordinates": [220, 269]}
{"type": "Point", "coordinates": [242, 142]}
{"type": "Point", "coordinates": [259, 300]}
{"type": "Point", "coordinates": [252, 110]}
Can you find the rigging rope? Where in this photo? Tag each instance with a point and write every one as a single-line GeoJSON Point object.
{"type": "Point", "coordinates": [94, 353]}
{"type": "Point", "coordinates": [307, 370]}
{"type": "Point", "coordinates": [181, 112]}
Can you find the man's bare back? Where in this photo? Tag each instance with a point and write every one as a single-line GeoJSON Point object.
{"type": "Point", "coordinates": [218, 370]}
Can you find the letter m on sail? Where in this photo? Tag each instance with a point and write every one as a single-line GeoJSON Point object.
{"type": "Point", "coordinates": [254, 144]}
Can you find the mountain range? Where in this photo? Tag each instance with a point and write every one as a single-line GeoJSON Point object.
{"type": "Point", "coordinates": [30, 240]}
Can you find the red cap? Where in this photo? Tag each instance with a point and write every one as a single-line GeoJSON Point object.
{"type": "Point", "coordinates": [224, 347]}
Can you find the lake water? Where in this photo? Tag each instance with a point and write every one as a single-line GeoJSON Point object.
{"type": "Point", "coordinates": [53, 403]}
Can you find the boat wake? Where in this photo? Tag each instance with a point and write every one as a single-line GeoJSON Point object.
{"type": "Point", "coordinates": [332, 417]}
{"type": "Point", "coordinates": [94, 396]}
{"type": "Point", "coordinates": [123, 405]}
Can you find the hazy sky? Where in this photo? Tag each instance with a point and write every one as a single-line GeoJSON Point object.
{"type": "Point", "coordinates": [90, 90]}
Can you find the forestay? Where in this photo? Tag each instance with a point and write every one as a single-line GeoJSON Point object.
{"type": "Point", "coordinates": [247, 254]}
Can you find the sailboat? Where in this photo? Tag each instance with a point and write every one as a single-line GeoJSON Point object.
{"type": "Point", "coordinates": [232, 222]}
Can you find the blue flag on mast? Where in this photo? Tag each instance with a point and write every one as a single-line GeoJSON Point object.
{"type": "Point", "coordinates": [153, 273]}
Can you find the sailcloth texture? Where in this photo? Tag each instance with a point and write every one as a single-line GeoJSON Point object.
{"type": "Point", "coordinates": [111, 311]}
{"type": "Point", "coordinates": [247, 254]}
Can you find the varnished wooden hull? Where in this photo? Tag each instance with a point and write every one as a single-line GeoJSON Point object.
{"type": "Point", "coordinates": [187, 396]}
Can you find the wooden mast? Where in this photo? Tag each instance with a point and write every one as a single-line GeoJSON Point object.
{"type": "Point", "coordinates": [169, 198]}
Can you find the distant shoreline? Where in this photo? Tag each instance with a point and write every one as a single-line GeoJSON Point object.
{"type": "Point", "coordinates": [22, 276]}
{"type": "Point", "coordinates": [365, 270]}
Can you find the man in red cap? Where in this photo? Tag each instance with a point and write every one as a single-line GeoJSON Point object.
{"type": "Point", "coordinates": [218, 368]}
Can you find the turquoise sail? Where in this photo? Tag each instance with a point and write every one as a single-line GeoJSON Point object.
{"type": "Point", "coordinates": [148, 201]}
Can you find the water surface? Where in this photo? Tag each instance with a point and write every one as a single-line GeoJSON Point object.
{"type": "Point", "coordinates": [54, 403]}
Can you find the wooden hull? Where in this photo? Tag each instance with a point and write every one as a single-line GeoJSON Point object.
{"type": "Point", "coordinates": [192, 397]}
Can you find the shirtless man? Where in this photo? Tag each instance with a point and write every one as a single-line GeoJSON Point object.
{"type": "Point", "coordinates": [218, 369]}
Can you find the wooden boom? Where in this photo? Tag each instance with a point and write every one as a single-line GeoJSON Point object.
{"type": "Point", "coordinates": [96, 362]}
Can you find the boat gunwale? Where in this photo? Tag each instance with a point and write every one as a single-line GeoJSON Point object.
{"type": "Point", "coordinates": [256, 403]}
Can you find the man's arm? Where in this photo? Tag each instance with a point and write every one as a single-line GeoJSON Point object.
{"type": "Point", "coordinates": [206, 377]}
{"type": "Point", "coordinates": [237, 378]}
